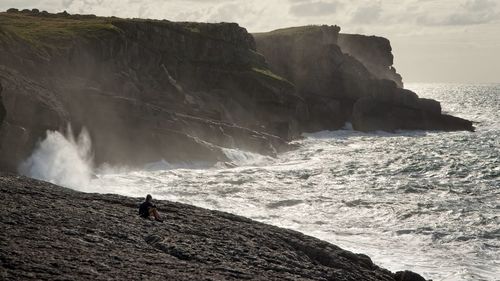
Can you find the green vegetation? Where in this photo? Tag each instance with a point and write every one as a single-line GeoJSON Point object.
{"type": "Point", "coordinates": [297, 30]}
{"type": "Point", "coordinates": [44, 30]}
{"type": "Point", "coordinates": [52, 32]}
{"type": "Point", "coordinates": [269, 73]}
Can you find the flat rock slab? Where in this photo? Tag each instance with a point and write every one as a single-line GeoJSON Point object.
{"type": "Point", "coordinates": [53, 233]}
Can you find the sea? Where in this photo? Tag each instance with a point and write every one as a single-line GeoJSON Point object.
{"type": "Point", "coordinates": [425, 201]}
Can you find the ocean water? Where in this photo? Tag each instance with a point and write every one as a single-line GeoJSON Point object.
{"type": "Point", "coordinates": [423, 201]}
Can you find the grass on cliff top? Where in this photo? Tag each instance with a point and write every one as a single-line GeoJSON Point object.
{"type": "Point", "coordinates": [42, 31]}
{"type": "Point", "coordinates": [57, 30]}
{"type": "Point", "coordinates": [296, 30]}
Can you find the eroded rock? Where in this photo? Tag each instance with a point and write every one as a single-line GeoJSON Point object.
{"type": "Point", "coordinates": [374, 52]}
{"type": "Point", "coordinates": [49, 232]}
{"type": "Point", "coordinates": [145, 90]}
{"type": "Point", "coordinates": [354, 72]}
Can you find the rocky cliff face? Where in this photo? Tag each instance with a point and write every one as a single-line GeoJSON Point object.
{"type": "Point", "coordinates": [49, 232]}
{"type": "Point", "coordinates": [2, 108]}
{"type": "Point", "coordinates": [374, 52]}
{"type": "Point", "coordinates": [145, 90]}
{"type": "Point", "coordinates": [339, 78]}
{"type": "Point", "coordinates": [148, 90]}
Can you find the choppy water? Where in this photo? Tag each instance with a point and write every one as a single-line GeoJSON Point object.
{"type": "Point", "coordinates": [424, 201]}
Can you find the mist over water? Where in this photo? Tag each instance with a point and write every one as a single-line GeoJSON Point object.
{"type": "Point", "coordinates": [424, 201]}
{"type": "Point", "coordinates": [61, 159]}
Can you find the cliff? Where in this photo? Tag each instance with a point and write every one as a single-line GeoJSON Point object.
{"type": "Point", "coordinates": [148, 90]}
{"type": "Point", "coordinates": [49, 232]}
{"type": "Point", "coordinates": [338, 76]}
{"type": "Point", "coordinates": [374, 52]}
{"type": "Point", "coordinates": [144, 89]}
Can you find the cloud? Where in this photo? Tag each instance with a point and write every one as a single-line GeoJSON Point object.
{"type": "Point", "coordinates": [367, 14]}
{"type": "Point", "coordinates": [470, 12]}
{"type": "Point", "coordinates": [480, 5]}
{"type": "Point", "coordinates": [301, 8]}
{"type": "Point", "coordinates": [439, 26]}
{"type": "Point", "coordinates": [233, 12]}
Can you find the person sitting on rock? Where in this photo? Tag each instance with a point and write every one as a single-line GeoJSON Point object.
{"type": "Point", "coordinates": [147, 209]}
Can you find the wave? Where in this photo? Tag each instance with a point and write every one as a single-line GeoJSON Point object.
{"type": "Point", "coordinates": [64, 160]}
{"type": "Point", "coordinates": [241, 158]}
{"type": "Point", "coordinates": [61, 159]}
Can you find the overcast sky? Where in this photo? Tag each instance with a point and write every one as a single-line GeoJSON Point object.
{"type": "Point", "coordinates": [433, 40]}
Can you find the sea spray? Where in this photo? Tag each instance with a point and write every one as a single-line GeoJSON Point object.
{"type": "Point", "coordinates": [61, 159]}
{"type": "Point", "coordinates": [240, 157]}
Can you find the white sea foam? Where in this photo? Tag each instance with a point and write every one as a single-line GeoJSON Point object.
{"type": "Point", "coordinates": [424, 201]}
{"type": "Point", "coordinates": [61, 159]}
{"type": "Point", "coordinates": [240, 157]}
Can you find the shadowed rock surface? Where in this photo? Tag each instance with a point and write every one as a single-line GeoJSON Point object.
{"type": "Point", "coordinates": [2, 108]}
{"type": "Point", "coordinates": [144, 89]}
{"type": "Point", "coordinates": [50, 232]}
{"type": "Point", "coordinates": [349, 78]}
{"type": "Point", "coordinates": [374, 52]}
{"type": "Point", "coordinates": [148, 90]}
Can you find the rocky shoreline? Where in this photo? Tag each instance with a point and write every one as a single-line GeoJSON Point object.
{"type": "Point", "coordinates": [182, 91]}
{"type": "Point", "coordinates": [153, 89]}
{"type": "Point", "coordinates": [54, 233]}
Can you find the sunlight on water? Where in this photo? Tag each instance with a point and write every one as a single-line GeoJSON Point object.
{"type": "Point", "coordinates": [424, 201]}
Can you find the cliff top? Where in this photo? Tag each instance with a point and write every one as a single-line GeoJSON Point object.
{"type": "Point", "coordinates": [300, 30]}
{"type": "Point", "coordinates": [49, 231]}
{"type": "Point", "coordinates": [43, 29]}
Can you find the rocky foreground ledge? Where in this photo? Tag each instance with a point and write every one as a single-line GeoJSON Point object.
{"type": "Point", "coordinates": [50, 232]}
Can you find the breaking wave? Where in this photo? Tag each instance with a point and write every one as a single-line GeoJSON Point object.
{"type": "Point", "coordinates": [423, 201]}
{"type": "Point", "coordinates": [62, 159]}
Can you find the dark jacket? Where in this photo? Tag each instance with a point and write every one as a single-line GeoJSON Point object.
{"type": "Point", "coordinates": [144, 209]}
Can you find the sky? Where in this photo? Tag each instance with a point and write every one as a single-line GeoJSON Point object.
{"type": "Point", "coordinates": [455, 41]}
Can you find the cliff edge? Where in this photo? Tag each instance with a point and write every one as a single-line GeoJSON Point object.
{"type": "Point", "coordinates": [148, 90]}
{"type": "Point", "coordinates": [145, 89]}
{"type": "Point", "coordinates": [349, 78]}
{"type": "Point", "coordinates": [374, 52]}
{"type": "Point", "coordinates": [50, 232]}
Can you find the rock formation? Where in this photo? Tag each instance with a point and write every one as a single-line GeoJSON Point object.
{"type": "Point", "coordinates": [339, 78]}
{"type": "Point", "coordinates": [148, 89]}
{"type": "Point", "coordinates": [2, 108]}
{"type": "Point", "coordinates": [374, 52]}
{"type": "Point", "coordinates": [49, 232]}
{"type": "Point", "coordinates": [145, 90]}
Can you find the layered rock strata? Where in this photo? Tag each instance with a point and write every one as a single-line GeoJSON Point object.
{"type": "Point", "coordinates": [148, 90]}
{"type": "Point", "coordinates": [339, 77]}
{"type": "Point", "coordinates": [145, 90]}
{"type": "Point", "coordinates": [374, 52]}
